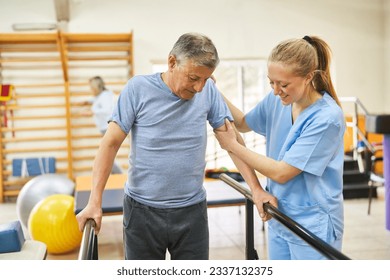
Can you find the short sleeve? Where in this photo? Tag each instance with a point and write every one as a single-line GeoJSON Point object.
{"type": "Point", "coordinates": [256, 118]}
{"type": "Point", "coordinates": [124, 113]}
{"type": "Point", "coordinates": [314, 148]}
{"type": "Point", "coordinates": [219, 111]}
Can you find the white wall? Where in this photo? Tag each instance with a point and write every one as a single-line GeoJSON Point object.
{"type": "Point", "coordinates": [355, 29]}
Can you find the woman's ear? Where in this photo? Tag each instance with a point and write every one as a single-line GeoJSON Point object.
{"type": "Point", "coordinates": [309, 78]}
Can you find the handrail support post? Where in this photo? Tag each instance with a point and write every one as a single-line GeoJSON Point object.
{"type": "Point", "coordinates": [250, 251]}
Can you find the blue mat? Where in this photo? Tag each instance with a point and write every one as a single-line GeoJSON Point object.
{"type": "Point", "coordinates": [11, 237]}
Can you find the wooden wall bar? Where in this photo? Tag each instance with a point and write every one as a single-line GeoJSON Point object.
{"type": "Point", "coordinates": [50, 73]}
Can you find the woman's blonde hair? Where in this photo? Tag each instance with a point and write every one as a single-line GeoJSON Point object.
{"type": "Point", "coordinates": [306, 55]}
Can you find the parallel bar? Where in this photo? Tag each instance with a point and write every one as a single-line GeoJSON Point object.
{"type": "Point", "coordinates": [317, 243]}
{"type": "Point", "coordinates": [88, 247]}
{"type": "Point", "coordinates": [237, 186]}
{"type": "Point", "coordinates": [306, 235]}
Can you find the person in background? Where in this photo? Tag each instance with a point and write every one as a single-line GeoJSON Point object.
{"type": "Point", "coordinates": [164, 207]}
{"type": "Point", "coordinates": [102, 106]}
{"type": "Point", "coordinates": [304, 126]}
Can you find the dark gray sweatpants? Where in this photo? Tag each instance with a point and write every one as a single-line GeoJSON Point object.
{"type": "Point", "coordinates": [149, 232]}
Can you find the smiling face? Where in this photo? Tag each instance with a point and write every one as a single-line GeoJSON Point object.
{"type": "Point", "coordinates": [289, 87]}
{"type": "Point", "coordinates": [187, 79]}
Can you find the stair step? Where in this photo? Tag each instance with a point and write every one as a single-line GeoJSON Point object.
{"type": "Point", "coordinates": [358, 190]}
{"type": "Point", "coordinates": [354, 176]}
{"type": "Point", "coordinates": [350, 163]}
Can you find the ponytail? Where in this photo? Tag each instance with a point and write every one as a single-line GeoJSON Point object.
{"type": "Point", "coordinates": [322, 80]}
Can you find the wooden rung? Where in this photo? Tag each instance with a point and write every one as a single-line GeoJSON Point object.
{"type": "Point", "coordinates": [22, 107]}
{"type": "Point", "coordinates": [88, 58]}
{"type": "Point", "coordinates": [109, 48]}
{"type": "Point", "coordinates": [71, 83]}
{"type": "Point", "coordinates": [95, 38]}
{"type": "Point", "coordinates": [61, 170]}
{"type": "Point", "coordinates": [22, 181]}
{"type": "Point", "coordinates": [36, 117]}
{"type": "Point", "coordinates": [6, 129]}
{"type": "Point", "coordinates": [11, 193]}
{"type": "Point", "coordinates": [81, 158]}
{"type": "Point", "coordinates": [58, 159]}
{"type": "Point", "coordinates": [31, 150]}
{"type": "Point", "coordinates": [85, 147]}
{"type": "Point", "coordinates": [80, 65]}
{"type": "Point", "coordinates": [75, 104]}
{"type": "Point", "coordinates": [16, 182]}
{"type": "Point", "coordinates": [30, 48]}
{"type": "Point", "coordinates": [49, 95]}
{"type": "Point", "coordinates": [82, 168]}
{"type": "Point", "coordinates": [38, 85]}
{"type": "Point", "coordinates": [33, 139]}
{"type": "Point", "coordinates": [87, 136]}
{"type": "Point", "coordinates": [32, 67]}
{"type": "Point", "coordinates": [89, 168]}
{"type": "Point", "coordinates": [79, 116]}
{"type": "Point", "coordinates": [119, 82]}
{"type": "Point", "coordinates": [29, 59]}
{"type": "Point", "coordinates": [81, 94]}
{"type": "Point", "coordinates": [29, 38]}
{"type": "Point", "coordinates": [58, 170]}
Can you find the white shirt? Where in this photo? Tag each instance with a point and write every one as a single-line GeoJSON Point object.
{"type": "Point", "coordinates": [102, 107]}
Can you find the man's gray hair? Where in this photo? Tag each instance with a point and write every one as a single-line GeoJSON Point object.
{"type": "Point", "coordinates": [196, 47]}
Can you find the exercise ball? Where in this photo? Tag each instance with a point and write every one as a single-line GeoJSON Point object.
{"type": "Point", "coordinates": [39, 188]}
{"type": "Point", "coordinates": [53, 222]}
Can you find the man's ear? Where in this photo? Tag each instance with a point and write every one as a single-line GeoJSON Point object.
{"type": "Point", "coordinates": [172, 62]}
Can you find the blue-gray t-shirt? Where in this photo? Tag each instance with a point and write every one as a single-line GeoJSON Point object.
{"type": "Point", "coordinates": [168, 140]}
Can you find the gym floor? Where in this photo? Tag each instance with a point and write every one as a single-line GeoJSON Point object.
{"type": "Point", "coordinates": [365, 235]}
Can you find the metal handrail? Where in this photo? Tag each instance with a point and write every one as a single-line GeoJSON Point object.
{"type": "Point", "coordinates": [355, 100]}
{"type": "Point", "coordinates": [357, 132]}
{"type": "Point", "coordinates": [88, 247]}
{"type": "Point", "coordinates": [310, 238]}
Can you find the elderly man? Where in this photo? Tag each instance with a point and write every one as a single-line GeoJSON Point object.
{"type": "Point", "coordinates": [165, 201]}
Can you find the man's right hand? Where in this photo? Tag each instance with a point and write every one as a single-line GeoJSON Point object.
{"type": "Point", "coordinates": [90, 212]}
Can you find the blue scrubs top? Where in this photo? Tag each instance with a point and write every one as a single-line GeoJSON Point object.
{"type": "Point", "coordinates": [314, 144]}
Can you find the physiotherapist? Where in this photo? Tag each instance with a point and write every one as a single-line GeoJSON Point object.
{"type": "Point", "coordinates": [303, 123]}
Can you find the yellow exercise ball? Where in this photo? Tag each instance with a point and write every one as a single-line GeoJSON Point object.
{"type": "Point", "coordinates": [53, 222]}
